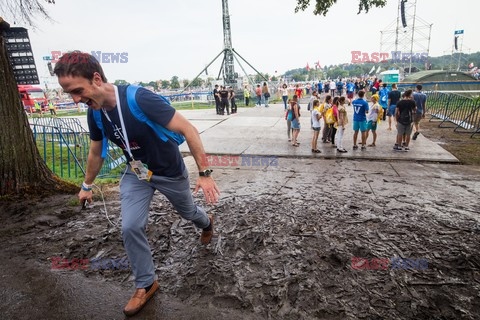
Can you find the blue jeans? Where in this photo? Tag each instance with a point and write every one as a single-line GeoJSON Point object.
{"type": "Point", "coordinates": [285, 99]}
{"type": "Point", "coordinates": [266, 100]}
{"type": "Point", "coordinates": [136, 196]}
{"type": "Point", "coordinates": [259, 100]}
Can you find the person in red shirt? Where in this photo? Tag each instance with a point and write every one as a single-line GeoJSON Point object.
{"type": "Point", "coordinates": [258, 92]}
{"type": "Point", "coordinates": [376, 86]}
{"type": "Point", "coordinates": [298, 91]}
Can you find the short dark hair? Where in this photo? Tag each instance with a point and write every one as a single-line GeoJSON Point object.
{"type": "Point", "coordinates": [408, 93]}
{"type": "Point", "coordinates": [419, 87]}
{"type": "Point", "coordinates": [384, 85]}
{"type": "Point", "coordinates": [78, 64]}
{"type": "Point", "coordinates": [361, 93]}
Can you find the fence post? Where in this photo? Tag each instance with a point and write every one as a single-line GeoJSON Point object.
{"type": "Point", "coordinates": [53, 150]}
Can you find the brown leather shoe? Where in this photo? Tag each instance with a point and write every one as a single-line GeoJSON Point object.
{"type": "Point", "coordinates": [139, 299]}
{"type": "Point", "coordinates": [207, 235]}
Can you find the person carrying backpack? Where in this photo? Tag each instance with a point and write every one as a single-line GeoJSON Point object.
{"type": "Point", "coordinates": [326, 133]}
{"type": "Point", "coordinates": [332, 120]}
{"type": "Point", "coordinates": [148, 130]}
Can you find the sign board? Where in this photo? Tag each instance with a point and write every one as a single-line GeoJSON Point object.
{"type": "Point", "coordinates": [20, 54]}
{"type": "Point", "coordinates": [47, 58]}
{"type": "Point", "coordinates": [459, 31]}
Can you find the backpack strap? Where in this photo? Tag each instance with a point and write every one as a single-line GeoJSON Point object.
{"type": "Point", "coordinates": [163, 133]}
{"type": "Point", "coordinates": [97, 116]}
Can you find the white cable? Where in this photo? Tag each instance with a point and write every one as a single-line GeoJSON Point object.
{"type": "Point", "coordinates": [105, 206]}
{"type": "Point", "coordinates": [103, 199]}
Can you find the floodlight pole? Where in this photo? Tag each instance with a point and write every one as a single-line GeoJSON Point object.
{"type": "Point", "coordinates": [227, 67]}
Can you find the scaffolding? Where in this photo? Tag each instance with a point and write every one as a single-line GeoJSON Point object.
{"type": "Point", "coordinates": [408, 34]}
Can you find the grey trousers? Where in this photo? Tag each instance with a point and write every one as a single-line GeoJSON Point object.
{"type": "Point", "coordinates": [136, 196]}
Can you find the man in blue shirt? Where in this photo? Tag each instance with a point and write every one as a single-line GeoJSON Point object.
{"type": "Point", "coordinates": [383, 94]}
{"type": "Point", "coordinates": [340, 87]}
{"type": "Point", "coordinates": [360, 110]}
{"type": "Point", "coordinates": [420, 100]}
{"type": "Point", "coordinates": [350, 89]}
{"type": "Point", "coordinates": [153, 164]}
{"type": "Point", "coordinates": [320, 87]}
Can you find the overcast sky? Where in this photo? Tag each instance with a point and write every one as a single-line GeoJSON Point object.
{"type": "Point", "coordinates": [167, 38]}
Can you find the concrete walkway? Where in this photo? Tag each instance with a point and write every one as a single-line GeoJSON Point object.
{"type": "Point", "coordinates": [263, 131]}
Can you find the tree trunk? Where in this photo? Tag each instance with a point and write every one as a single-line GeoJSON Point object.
{"type": "Point", "coordinates": [22, 170]}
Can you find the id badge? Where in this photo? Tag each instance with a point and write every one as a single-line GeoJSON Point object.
{"type": "Point", "coordinates": [141, 170]}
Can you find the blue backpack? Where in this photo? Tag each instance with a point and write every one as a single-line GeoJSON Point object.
{"type": "Point", "coordinates": [163, 133]}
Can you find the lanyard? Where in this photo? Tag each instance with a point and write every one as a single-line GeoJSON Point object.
{"type": "Point", "coordinates": [124, 136]}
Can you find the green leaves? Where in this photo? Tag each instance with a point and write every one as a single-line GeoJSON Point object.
{"type": "Point", "coordinates": [322, 6]}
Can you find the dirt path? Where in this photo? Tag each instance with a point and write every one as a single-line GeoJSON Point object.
{"type": "Point", "coordinates": [285, 239]}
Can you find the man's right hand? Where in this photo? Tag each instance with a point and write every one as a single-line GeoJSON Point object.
{"type": "Point", "coordinates": [85, 195]}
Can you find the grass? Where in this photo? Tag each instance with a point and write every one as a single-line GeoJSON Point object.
{"type": "Point", "coordinates": [57, 161]}
{"type": "Point", "coordinates": [59, 114]}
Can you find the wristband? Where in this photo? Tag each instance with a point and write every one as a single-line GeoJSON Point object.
{"type": "Point", "coordinates": [86, 187]}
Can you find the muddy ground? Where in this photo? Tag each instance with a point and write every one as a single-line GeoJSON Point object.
{"type": "Point", "coordinates": [460, 143]}
{"type": "Point", "coordinates": [285, 238]}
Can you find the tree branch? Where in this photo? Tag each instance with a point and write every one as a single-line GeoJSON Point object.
{"type": "Point", "coordinates": [322, 6]}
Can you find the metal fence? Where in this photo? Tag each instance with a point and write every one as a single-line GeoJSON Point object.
{"type": "Point", "coordinates": [64, 145]}
{"type": "Point", "coordinates": [455, 111]}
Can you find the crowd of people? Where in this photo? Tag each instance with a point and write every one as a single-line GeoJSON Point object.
{"type": "Point", "coordinates": [328, 105]}
{"type": "Point", "coordinates": [225, 100]}
{"type": "Point", "coordinates": [328, 112]}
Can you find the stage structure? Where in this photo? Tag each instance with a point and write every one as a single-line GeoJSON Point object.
{"type": "Point", "coordinates": [227, 68]}
{"type": "Point", "coordinates": [408, 34]}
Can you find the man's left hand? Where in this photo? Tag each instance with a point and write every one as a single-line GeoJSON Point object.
{"type": "Point", "coordinates": [210, 189]}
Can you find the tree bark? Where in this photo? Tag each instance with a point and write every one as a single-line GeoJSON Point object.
{"type": "Point", "coordinates": [22, 170]}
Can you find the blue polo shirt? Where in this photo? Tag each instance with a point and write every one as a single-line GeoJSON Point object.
{"type": "Point", "coordinates": [162, 158]}
{"type": "Point", "coordinates": [360, 108]}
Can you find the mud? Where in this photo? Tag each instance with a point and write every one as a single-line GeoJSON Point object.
{"type": "Point", "coordinates": [284, 240]}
